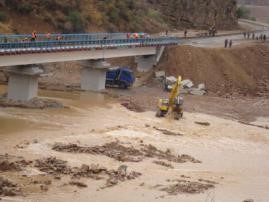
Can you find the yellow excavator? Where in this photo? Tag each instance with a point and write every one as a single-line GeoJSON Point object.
{"type": "Point", "coordinates": [174, 103]}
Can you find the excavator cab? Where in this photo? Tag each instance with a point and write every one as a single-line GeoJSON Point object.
{"type": "Point", "coordinates": [163, 107]}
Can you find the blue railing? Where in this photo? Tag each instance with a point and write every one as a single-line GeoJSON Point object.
{"type": "Point", "coordinates": [11, 43]}
{"type": "Point", "coordinates": [46, 37]}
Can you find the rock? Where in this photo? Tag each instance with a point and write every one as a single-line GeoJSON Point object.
{"type": "Point", "coordinates": [196, 91]}
{"type": "Point", "coordinates": [85, 168]}
{"type": "Point", "coordinates": [78, 184]}
{"type": "Point", "coordinates": [202, 123]}
{"type": "Point", "coordinates": [122, 170]}
{"type": "Point", "coordinates": [35, 141]}
{"type": "Point", "coordinates": [248, 200]}
{"type": "Point", "coordinates": [44, 187]}
{"type": "Point", "coordinates": [160, 74]}
{"type": "Point", "coordinates": [201, 86]}
{"type": "Point", "coordinates": [170, 80]}
{"type": "Point", "coordinates": [187, 83]}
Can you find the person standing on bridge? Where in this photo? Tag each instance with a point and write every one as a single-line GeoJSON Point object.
{"type": "Point", "coordinates": [245, 34]}
{"type": "Point", "coordinates": [48, 35]}
{"type": "Point", "coordinates": [33, 37]}
{"type": "Point", "coordinates": [264, 37]}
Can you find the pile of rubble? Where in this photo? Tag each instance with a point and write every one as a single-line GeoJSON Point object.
{"type": "Point", "coordinates": [120, 175]}
{"type": "Point", "coordinates": [11, 163]}
{"type": "Point", "coordinates": [56, 167]}
{"type": "Point", "coordinates": [188, 187]}
{"type": "Point", "coordinates": [126, 154]}
{"type": "Point", "coordinates": [7, 188]}
{"type": "Point", "coordinates": [113, 150]}
{"type": "Point", "coordinates": [188, 86]}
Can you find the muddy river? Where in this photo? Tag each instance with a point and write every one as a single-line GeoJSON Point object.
{"type": "Point", "coordinates": [233, 155]}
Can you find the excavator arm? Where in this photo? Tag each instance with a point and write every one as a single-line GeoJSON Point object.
{"type": "Point", "coordinates": [175, 91]}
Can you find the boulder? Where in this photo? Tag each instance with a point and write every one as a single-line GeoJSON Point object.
{"type": "Point", "coordinates": [201, 86]}
{"type": "Point", "coordinates": [196, 91]}
{"type": "Point", "coordinates": [187, 83]}
{"type": "Point", "coordinates": [170, 80]}
{"type": "Point", "coordinates": [160, 74]}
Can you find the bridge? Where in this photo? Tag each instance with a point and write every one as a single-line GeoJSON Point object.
{"type": "Point", "coordinates": [22, 57]}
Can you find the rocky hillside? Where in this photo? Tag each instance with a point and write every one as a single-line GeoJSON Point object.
{"type": "Point", "coordinates": [199, 13]}
{"type": "Point", "coordinates": [114, 15]}
{"type": "Point", "coordinates": [254, 2]}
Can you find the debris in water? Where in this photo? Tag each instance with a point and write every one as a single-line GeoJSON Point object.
{"type": "Point", "coordinates": [126, 154]}
{"type": "Point", "coordinates": [189, 187]}
{"type": "Point", "coordinates": [162, 163]}
{"type": "Point", "coordinates": [78, 184]}
{"type": "Point", "coordinates": [113, 150]}
{"type": "Point", "coordinates": [168, 132]}
{"type": "Point", "coordinates": [202, 123]}
{"type": "Point", "coordinates": [7, 188]}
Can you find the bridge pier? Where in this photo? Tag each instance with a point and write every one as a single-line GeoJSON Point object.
{"type": "Point", "coordinates": [23, 82]}
{"type": "Point", "coordinates": [147, 62]}
{"type": "Point", "coordinates": [93, 75]}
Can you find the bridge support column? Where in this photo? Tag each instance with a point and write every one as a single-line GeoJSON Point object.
{"type": "Point", "coordinates": [93, 75]}
{"type": "Point", "coordinates": [147, 62]}
{"type": "Point", "coordinates": [23, 82]}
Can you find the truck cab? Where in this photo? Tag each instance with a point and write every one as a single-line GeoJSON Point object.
{"type": "Point", "coordinates": [120, 77]}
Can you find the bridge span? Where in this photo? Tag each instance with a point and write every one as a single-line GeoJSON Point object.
{"type": "Point", "coordinates": [22, 56]}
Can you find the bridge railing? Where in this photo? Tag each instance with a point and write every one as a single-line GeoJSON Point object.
{"type": "Point", "coordinates": [46, 37]}
{"type": "Point", "coordinates": [97, 43]}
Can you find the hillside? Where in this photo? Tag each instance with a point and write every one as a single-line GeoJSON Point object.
{"type": "Point", "coordinates": [114, 15]}
{"type": "Point", "coordinates": [254, 2]}
{"type": "Point", "coordinates": [241, 70]}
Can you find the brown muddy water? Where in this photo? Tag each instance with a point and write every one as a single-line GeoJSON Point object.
{"type": "Point", "coordinates": [15, 120]}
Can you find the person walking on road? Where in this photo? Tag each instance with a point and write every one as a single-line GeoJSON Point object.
{"type": "Point", "coordinates": [230, 44]}
{"type": "Point", "coordinates": [248, 35]}
{"type": "Point", "coordinates": [253, 36]}
{"type": "Point", "coordinates": [185, 33]}
{"type": "Point", "coordinates": [264, 37]}
{"type": "Point", "coordinates": [226, 43]}
{"type": "Point", "coordinates": [245, 34]}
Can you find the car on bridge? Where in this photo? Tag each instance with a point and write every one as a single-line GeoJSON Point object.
{"type": "Point", "coordinates": [122, 77]}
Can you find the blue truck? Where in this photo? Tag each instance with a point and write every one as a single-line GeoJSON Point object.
{"type": "Point", "coordinates": [121, 77]}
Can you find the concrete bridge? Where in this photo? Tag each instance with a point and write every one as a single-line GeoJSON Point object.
{"type": "Point", "coordinates": [21, 57]}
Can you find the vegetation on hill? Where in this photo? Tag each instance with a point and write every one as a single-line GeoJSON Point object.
{"type": "Point", "coordinates": [115, 15]}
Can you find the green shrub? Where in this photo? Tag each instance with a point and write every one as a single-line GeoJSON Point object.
{"type": "Point", "coordinates": [24, 8]}
{"type": "Point", "coordinates": [243, 12]}
{"type": "Point", "coordinates": [75, 19]}
{"type": "Point", "coordinates": [3, 16]}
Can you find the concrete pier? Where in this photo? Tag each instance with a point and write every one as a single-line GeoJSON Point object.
{"type": "Point", "coordinates": [23, 82]}
{"type": "Point", "coordinates": [147, 62]}
{"type": "Point", "coordinates": [93, 75]}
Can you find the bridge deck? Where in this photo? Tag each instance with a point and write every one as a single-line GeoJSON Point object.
{"type": "Point", "coordinates": [15, 44]}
